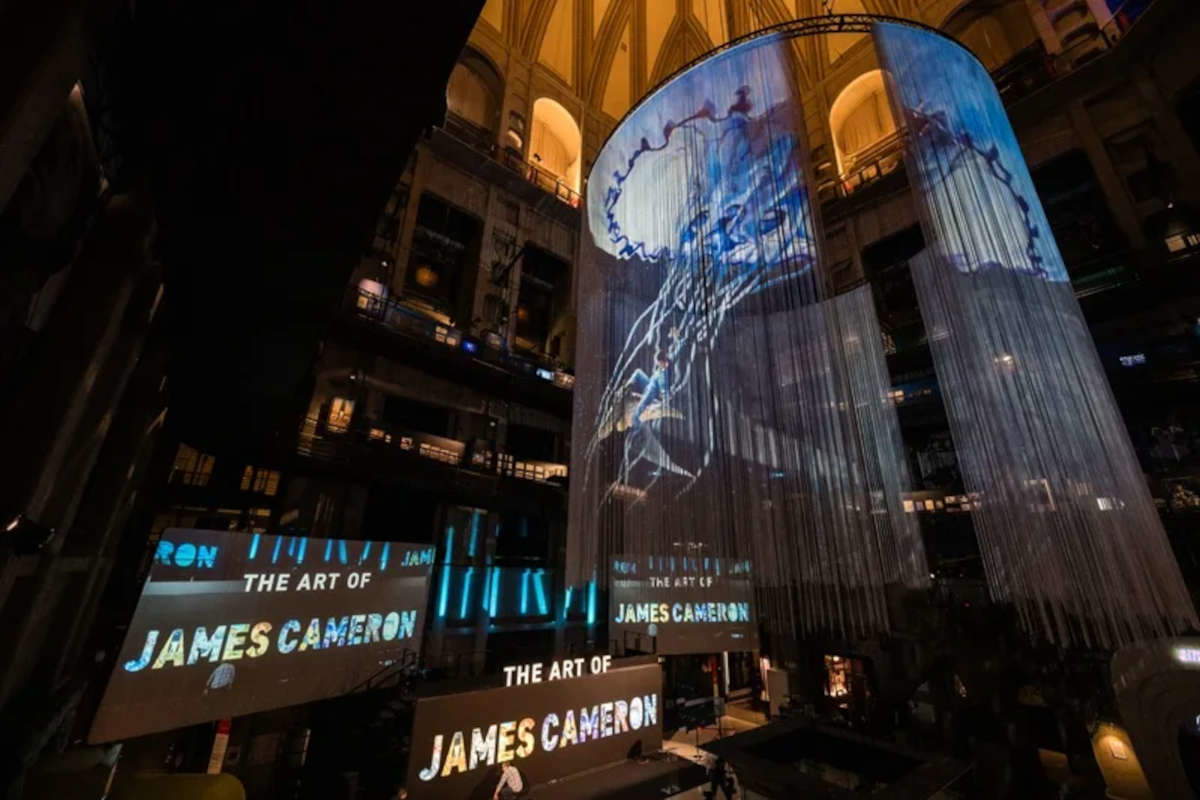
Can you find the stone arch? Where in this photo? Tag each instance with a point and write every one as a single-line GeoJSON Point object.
{"type": "Point", "coordinates": [475, 91]}
{"type": "Point", "coordinates": [556, 142]}
{"type": "Point", "coordinates": [859, 118]}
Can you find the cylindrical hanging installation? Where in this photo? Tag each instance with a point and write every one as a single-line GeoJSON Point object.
{"type": "Point", "coordinates": [725, 412]}
{"type": "Point", "coordinates": [1066, 524]}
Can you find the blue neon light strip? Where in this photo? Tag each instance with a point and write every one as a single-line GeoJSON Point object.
{"type": "Point", "coordinates": [444, 597]}
{"type": "Point", "coordinates": [592, 602]}
{"type": "Point", "coordinates": [524, 592]}
{"type": "Point", "coordinates": [474, 533]}
{"type": "Point", "coordinates": [254, 545]}
{"type": "Point", "coordinates": [495, 590]}
{"type": "Point", "coordinates": [466, 593]}
{"type": "Point", "coordinates": [300, 551]}
{"type": "Point", "coordinates": [383, 559]}
{"type": "Point", "coordinates": [541, 591]}
{"type": "Point", "coordinates": [275, 552]}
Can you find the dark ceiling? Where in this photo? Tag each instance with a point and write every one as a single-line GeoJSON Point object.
{"type": "Point", "coordinates": [269, 137]}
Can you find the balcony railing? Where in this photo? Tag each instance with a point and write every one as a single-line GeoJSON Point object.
{"type": "Point", "coordinates": [372, 304]}
{"type": "Point", "coordinates": [319, 441]}
{"type": "Point", "coordinates": [484, 141]}
{"type": "Point", "coordinates": [869, 165]}
{"type": "Point", "coordinates": [1028, 70]}
{"type": "Point", "coordinates": [544, 179]}
{"type": "Point", "coordinates": [866, 167]}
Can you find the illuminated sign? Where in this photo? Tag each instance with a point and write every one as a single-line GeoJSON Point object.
{"type": "Point", "coordinates": [185, 554]}
{"type": "Point", "coordinates": [232, 623]}
{"type": "Point", "coordinates": [1133, 360]}
{"type": "Point", "coordinates": [689, 605]}
{"type": "Point", "coordinates": [521, 674]}
{"type": "Point", "coordinates": [548, 730]}
{"type": "Point", "coordinates": [1187, 655]}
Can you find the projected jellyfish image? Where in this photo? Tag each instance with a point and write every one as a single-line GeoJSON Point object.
{"type": "Point", "coordinates": [725, 408]}
{"type": "Point", "coordinates": [702, 192]}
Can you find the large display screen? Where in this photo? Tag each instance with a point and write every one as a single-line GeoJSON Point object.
{"type": "Point", "coordinates": [547, 730]}
{"type": "Point", "coordinates": [682, 605]}
{"type": "Point", "coordinates": [230, 623]}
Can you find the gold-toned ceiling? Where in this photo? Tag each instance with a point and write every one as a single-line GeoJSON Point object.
{"type": "Point", "coordinates": [609, 52]}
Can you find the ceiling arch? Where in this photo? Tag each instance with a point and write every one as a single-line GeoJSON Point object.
{"type": "Point", "coordinates": [610, 52]}
{"type": "Point", "coordinates": [604, 49]}
{"type": "Point", "coordinates": [686, 39]}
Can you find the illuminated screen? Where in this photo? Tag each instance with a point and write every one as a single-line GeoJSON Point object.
{"type": "Point", "coordinates": [686, 605]}
{"type": "Point", "coordinates": [231, 623]}
{"type": "Point", "coordinates": [548, 730]}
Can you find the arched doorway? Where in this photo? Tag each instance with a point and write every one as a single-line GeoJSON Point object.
{"type": "Point", "coordinates": [555, 143]}
{"type": "Point", "coordinates": [859, 120]}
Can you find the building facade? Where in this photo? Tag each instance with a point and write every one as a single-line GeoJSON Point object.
{"type": "Point", "coordinates": [435, 403]}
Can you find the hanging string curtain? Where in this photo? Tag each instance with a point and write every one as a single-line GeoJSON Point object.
{"type": "Point", "coordinates": [1066, 525]}
{"type": "Point", "coordinates": [723, 407]}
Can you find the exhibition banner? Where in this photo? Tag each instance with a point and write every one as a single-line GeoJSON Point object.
{"type": "Point", "coordinates": [231, 623]}
{"type": "Point", "coordinates": [548, 730]}
{"type": "Point", "coordinates": [686, 605]}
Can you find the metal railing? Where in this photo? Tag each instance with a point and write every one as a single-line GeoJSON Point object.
{"type": "Point", "coordinates": [864, 168]}
{"type": "Point", "coordinates": [872, 163]}
{"type": "Point", "coordinates": [1028, 70]}
{"type": "Point", "coordinates": [318, 441]}
{"type": "Point", "coordinates": [1092, 39]}
{"type": "Point", "coordinates": [544, 179]}
{"type": "Point", "coordinates": [483, 140]}
{"type": "Point", "coordinates": [397, 317]}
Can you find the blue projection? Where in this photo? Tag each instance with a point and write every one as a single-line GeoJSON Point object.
{"type": "Point", "coordinates": [700, 190]}
{"type": "Point", "coordinates": [966, 156]}
{"type": "Point", "coordinates": [725, 409]}
{"type": "Point", "coordinates": [1066, 525]}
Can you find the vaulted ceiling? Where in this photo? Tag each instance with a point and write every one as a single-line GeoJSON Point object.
{"type": "Point", "coordinates": [610, 52]}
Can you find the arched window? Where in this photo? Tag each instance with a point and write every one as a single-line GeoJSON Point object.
{"type": "Point", "coordinates": [475, 91]}
{"type": "Point", "coordinates": [859, 119]}
{"type": "Point", "coordinates": [555, 144]}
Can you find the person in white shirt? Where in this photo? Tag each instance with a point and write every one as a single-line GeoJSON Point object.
{"type": "Point", "coordinates": [510, 784]}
